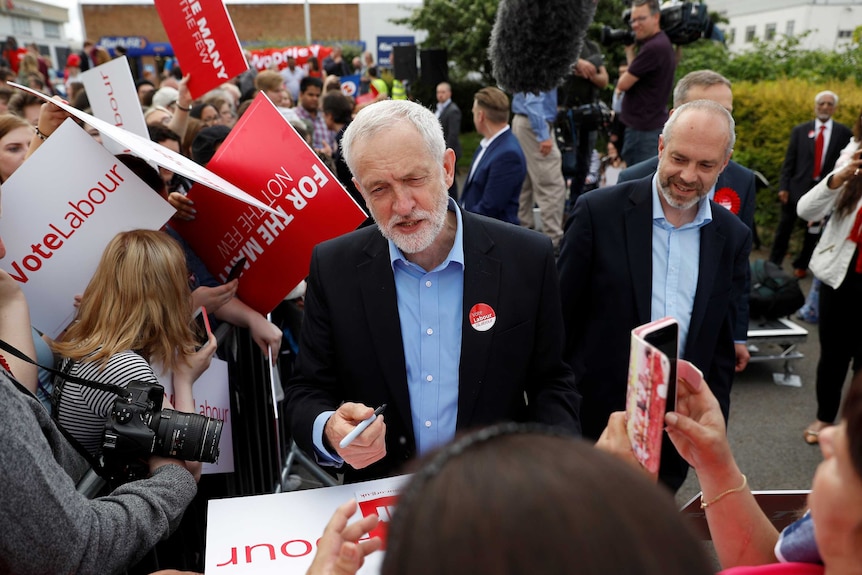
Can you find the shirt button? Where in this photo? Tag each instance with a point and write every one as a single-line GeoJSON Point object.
{"type": "Point", "coordinates": [428, 283]}
{"type": "Point", "coordinates": [429, 331]}
{"type": "Point", "coordinates": [428, 423]}
{"type": "Point", "coordinates": [429, 378]}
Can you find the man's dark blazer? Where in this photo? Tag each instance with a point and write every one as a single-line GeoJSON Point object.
{"type": "Point", "coordinates": [738, 179]}
{"type": "Point", "coordinates": [351, 349]}
{"type": "Point", "coordinates": [495, 187]}
{"type": "Point", "coordinates": [605, 268]}
{"type": "Point", "coordinates": [798, 166]}
{"type": "Point", "coordinates": [450, 119]}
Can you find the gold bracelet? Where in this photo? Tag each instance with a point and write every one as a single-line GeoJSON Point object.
{"type": "Point", "coordinates": [716, 499]}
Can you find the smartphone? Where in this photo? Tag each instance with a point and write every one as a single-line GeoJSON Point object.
{"type": "Point", "coordinates": [236, 270]}
{"type": "Point", "coordinates": [664, 335]}
{"type": "Point", "coordinates": [201, 327]}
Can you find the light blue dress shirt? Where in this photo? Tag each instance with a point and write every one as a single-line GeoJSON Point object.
{"type": "Point", "coordinates": [675, 264]}
{"type": "Point", "coordinates": [430, 309]}
{"type": "Point", "coordinates": [540, 109]}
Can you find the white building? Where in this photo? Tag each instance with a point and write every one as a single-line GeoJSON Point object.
{"type": "Point", "coordinates": [30, 21]}
{"type": "Point", "coordinates": [830, 23]}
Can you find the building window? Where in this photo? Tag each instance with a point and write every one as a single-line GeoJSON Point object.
{"type": "Point", "coordinates": [769, 32]}
{"type": "Point", "coordinates": [52, 30]}
{"type": "Point", "coordinates": [21, 26]}
{"type": "Point", "coordinates": [749, 34]}
{"type": "Point", "coordinates": [788, 30]}
{"type": "Point", "coordinates": [845, 34]}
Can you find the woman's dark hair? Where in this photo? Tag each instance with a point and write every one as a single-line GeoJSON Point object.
{"type": "Point", "coordinates": [143, 170]}
{"type": "Point", "coordinates": [339, 105]}
{"type": "Point", "coordinates": [845, 205]}
{"type": "Point", "coordinates": [514, 499]}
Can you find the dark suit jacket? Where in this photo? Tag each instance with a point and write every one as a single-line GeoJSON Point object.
{"type": "Point", "coordinates": [351, 348]}
{"type": "Point", "coordinates": [450, 119]}
{"type": "Point", "coordinates": [606, 284]}
{"type": "Point", "coordinates": [798, 166]}
{"type": "Point", "coordinates": [495, 187]}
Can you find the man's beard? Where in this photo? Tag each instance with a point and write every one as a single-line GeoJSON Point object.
{"type": "Point", "coordinates": [417, 242]}
{"type": "Point", "coordinates": [665, 188]}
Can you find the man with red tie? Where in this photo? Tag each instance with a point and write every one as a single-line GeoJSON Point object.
{"type": "Point", "coordinates": [814, 148]}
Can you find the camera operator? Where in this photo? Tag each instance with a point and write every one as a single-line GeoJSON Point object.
{"type": "Point", "coordinates": [647, 83]}
{"type": "Point", "coordinates": [578, 99]}
{"type": "Point", "coordinates": [48, 526]}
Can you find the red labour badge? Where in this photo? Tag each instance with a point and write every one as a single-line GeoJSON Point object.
{"type": "Point", "coordinates": [728, 198]}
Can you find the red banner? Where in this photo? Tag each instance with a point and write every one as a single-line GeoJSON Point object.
{"type": "Point", "coordinates": [204, 40]}
{"type": "Point", "coordinates": [267, 58]}
{"type": "Point", "coordinates": [264, 156]}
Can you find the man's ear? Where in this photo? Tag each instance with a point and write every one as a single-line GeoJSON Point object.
{"type": "Point", "coordinates": [449, 166]}
{"type": "Point", "coordinates": [660, 144]}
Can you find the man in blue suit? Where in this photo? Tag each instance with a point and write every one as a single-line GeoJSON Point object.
{"type": "Point", "coordinates": [497, 173]}
{"type": "Point", "coordinates": [651, 248]}
{"type": "Point", "coordinates": [735, 188]}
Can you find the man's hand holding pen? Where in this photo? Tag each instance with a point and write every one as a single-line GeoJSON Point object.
{"type": "Point", "coordinates": [366, 448]}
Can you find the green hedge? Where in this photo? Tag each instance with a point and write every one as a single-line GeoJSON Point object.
{"type": "Point", "coordinates": [765, 113]}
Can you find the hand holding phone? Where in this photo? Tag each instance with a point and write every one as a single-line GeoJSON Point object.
{"type": "Point", "coordinates": [201, 327]}
{"type": "Point", "coordinates": [236, 270]}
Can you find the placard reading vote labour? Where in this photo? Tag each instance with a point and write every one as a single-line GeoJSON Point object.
{"type": "Point", "coordinates": [60, 210]}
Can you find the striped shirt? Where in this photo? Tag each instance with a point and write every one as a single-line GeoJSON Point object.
{"type": "Point", "coordinates": [83, 410]}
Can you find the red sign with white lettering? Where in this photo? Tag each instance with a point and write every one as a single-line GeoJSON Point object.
{"type": "Point", "coordinates": [205, 42]}
{"type": "Point", "coordinates": [264, 156]}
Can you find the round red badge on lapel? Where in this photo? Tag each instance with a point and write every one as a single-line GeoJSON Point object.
{"type": "Point", "coordinates": [728, 198]}
{"type": "Point", "coordinates": [482, 317]}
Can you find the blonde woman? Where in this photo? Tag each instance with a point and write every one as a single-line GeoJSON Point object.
{"type": "Point", "coordinates": [135, 312]}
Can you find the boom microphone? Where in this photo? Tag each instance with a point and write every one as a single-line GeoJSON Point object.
{"type": "Point", "coordinates": [534, 42]}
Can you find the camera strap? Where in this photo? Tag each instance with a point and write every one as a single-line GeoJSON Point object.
{"type": "Point", "coordinates": [108, 387]}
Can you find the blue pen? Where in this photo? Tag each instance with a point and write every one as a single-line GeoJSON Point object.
{"type": "Point", "coordinates": [348, 439]}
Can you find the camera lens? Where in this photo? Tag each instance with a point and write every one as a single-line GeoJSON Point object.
{"type": "Point", "coordinates": [188, 436]}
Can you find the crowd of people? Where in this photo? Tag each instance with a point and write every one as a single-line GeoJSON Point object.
{"type": "Point", "coordinates": [498, 340]}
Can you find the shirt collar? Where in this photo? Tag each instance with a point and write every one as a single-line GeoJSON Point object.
{"type": "Point", "coordinates": [485, 142]}
{"type": "Point", "coordinates": [704, 209]}
{"type": "Point", "coordinates": [456, 254]}
{"type": "Point", "coordinates": [443, 105]}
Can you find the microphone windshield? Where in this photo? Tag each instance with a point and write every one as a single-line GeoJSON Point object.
{"type": "Point", "coordinates": [535, 42]}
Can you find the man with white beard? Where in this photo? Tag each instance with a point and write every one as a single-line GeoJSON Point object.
{"type": "Point", "coordinates": [450, 319]}
{"type": "Point", "coordinates": [650, 248]}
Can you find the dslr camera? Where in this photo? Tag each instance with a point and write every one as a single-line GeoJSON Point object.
{"type": "Point", "coordinates": [138, 427]}
{"type": "Point", "coordinates": [683, 22]}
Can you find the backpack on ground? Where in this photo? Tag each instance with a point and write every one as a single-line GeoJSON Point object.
{"type": "Point", "coordinates": [774, 292]}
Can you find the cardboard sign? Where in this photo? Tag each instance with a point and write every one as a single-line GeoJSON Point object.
{"type": "Point", "coordinates": [114, 99]}
{"type": "Point", "coordinates": [264, 154]}
{"type": "Point", "coordinates": [60, 210]}
{"type": "Point", "coordinates": [350, 85]}
{"type": "Point", "coordinates": [278, 534]}
{"type": "Point", "coordinates": [204, 41]}
{"type": "Point", "coordinates": [155, 153]}
{"type": "Point", "coordinates": [212, 398]}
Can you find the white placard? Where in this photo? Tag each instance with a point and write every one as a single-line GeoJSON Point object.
{"type": "Point", "coordinates": [60, 210]}
{"type": "Point", "coordinates": [113, 98]}
{"type": "Point", "coordinates": [212, 399]}
{"type": "Point", "coordinates": [156, 153]}
{"type": "Point", "coordinates": [277, 534]}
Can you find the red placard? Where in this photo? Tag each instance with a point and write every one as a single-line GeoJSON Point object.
{"type": "Point", "coordinates": [205, 42]}
{"type": "Point", "coordinates": [264, 156]}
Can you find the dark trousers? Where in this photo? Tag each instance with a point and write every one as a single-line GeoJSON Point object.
{"type": "Point", "coordinates": [788, 220]}
{"type": "Point", "coordinates": [840, 340]}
